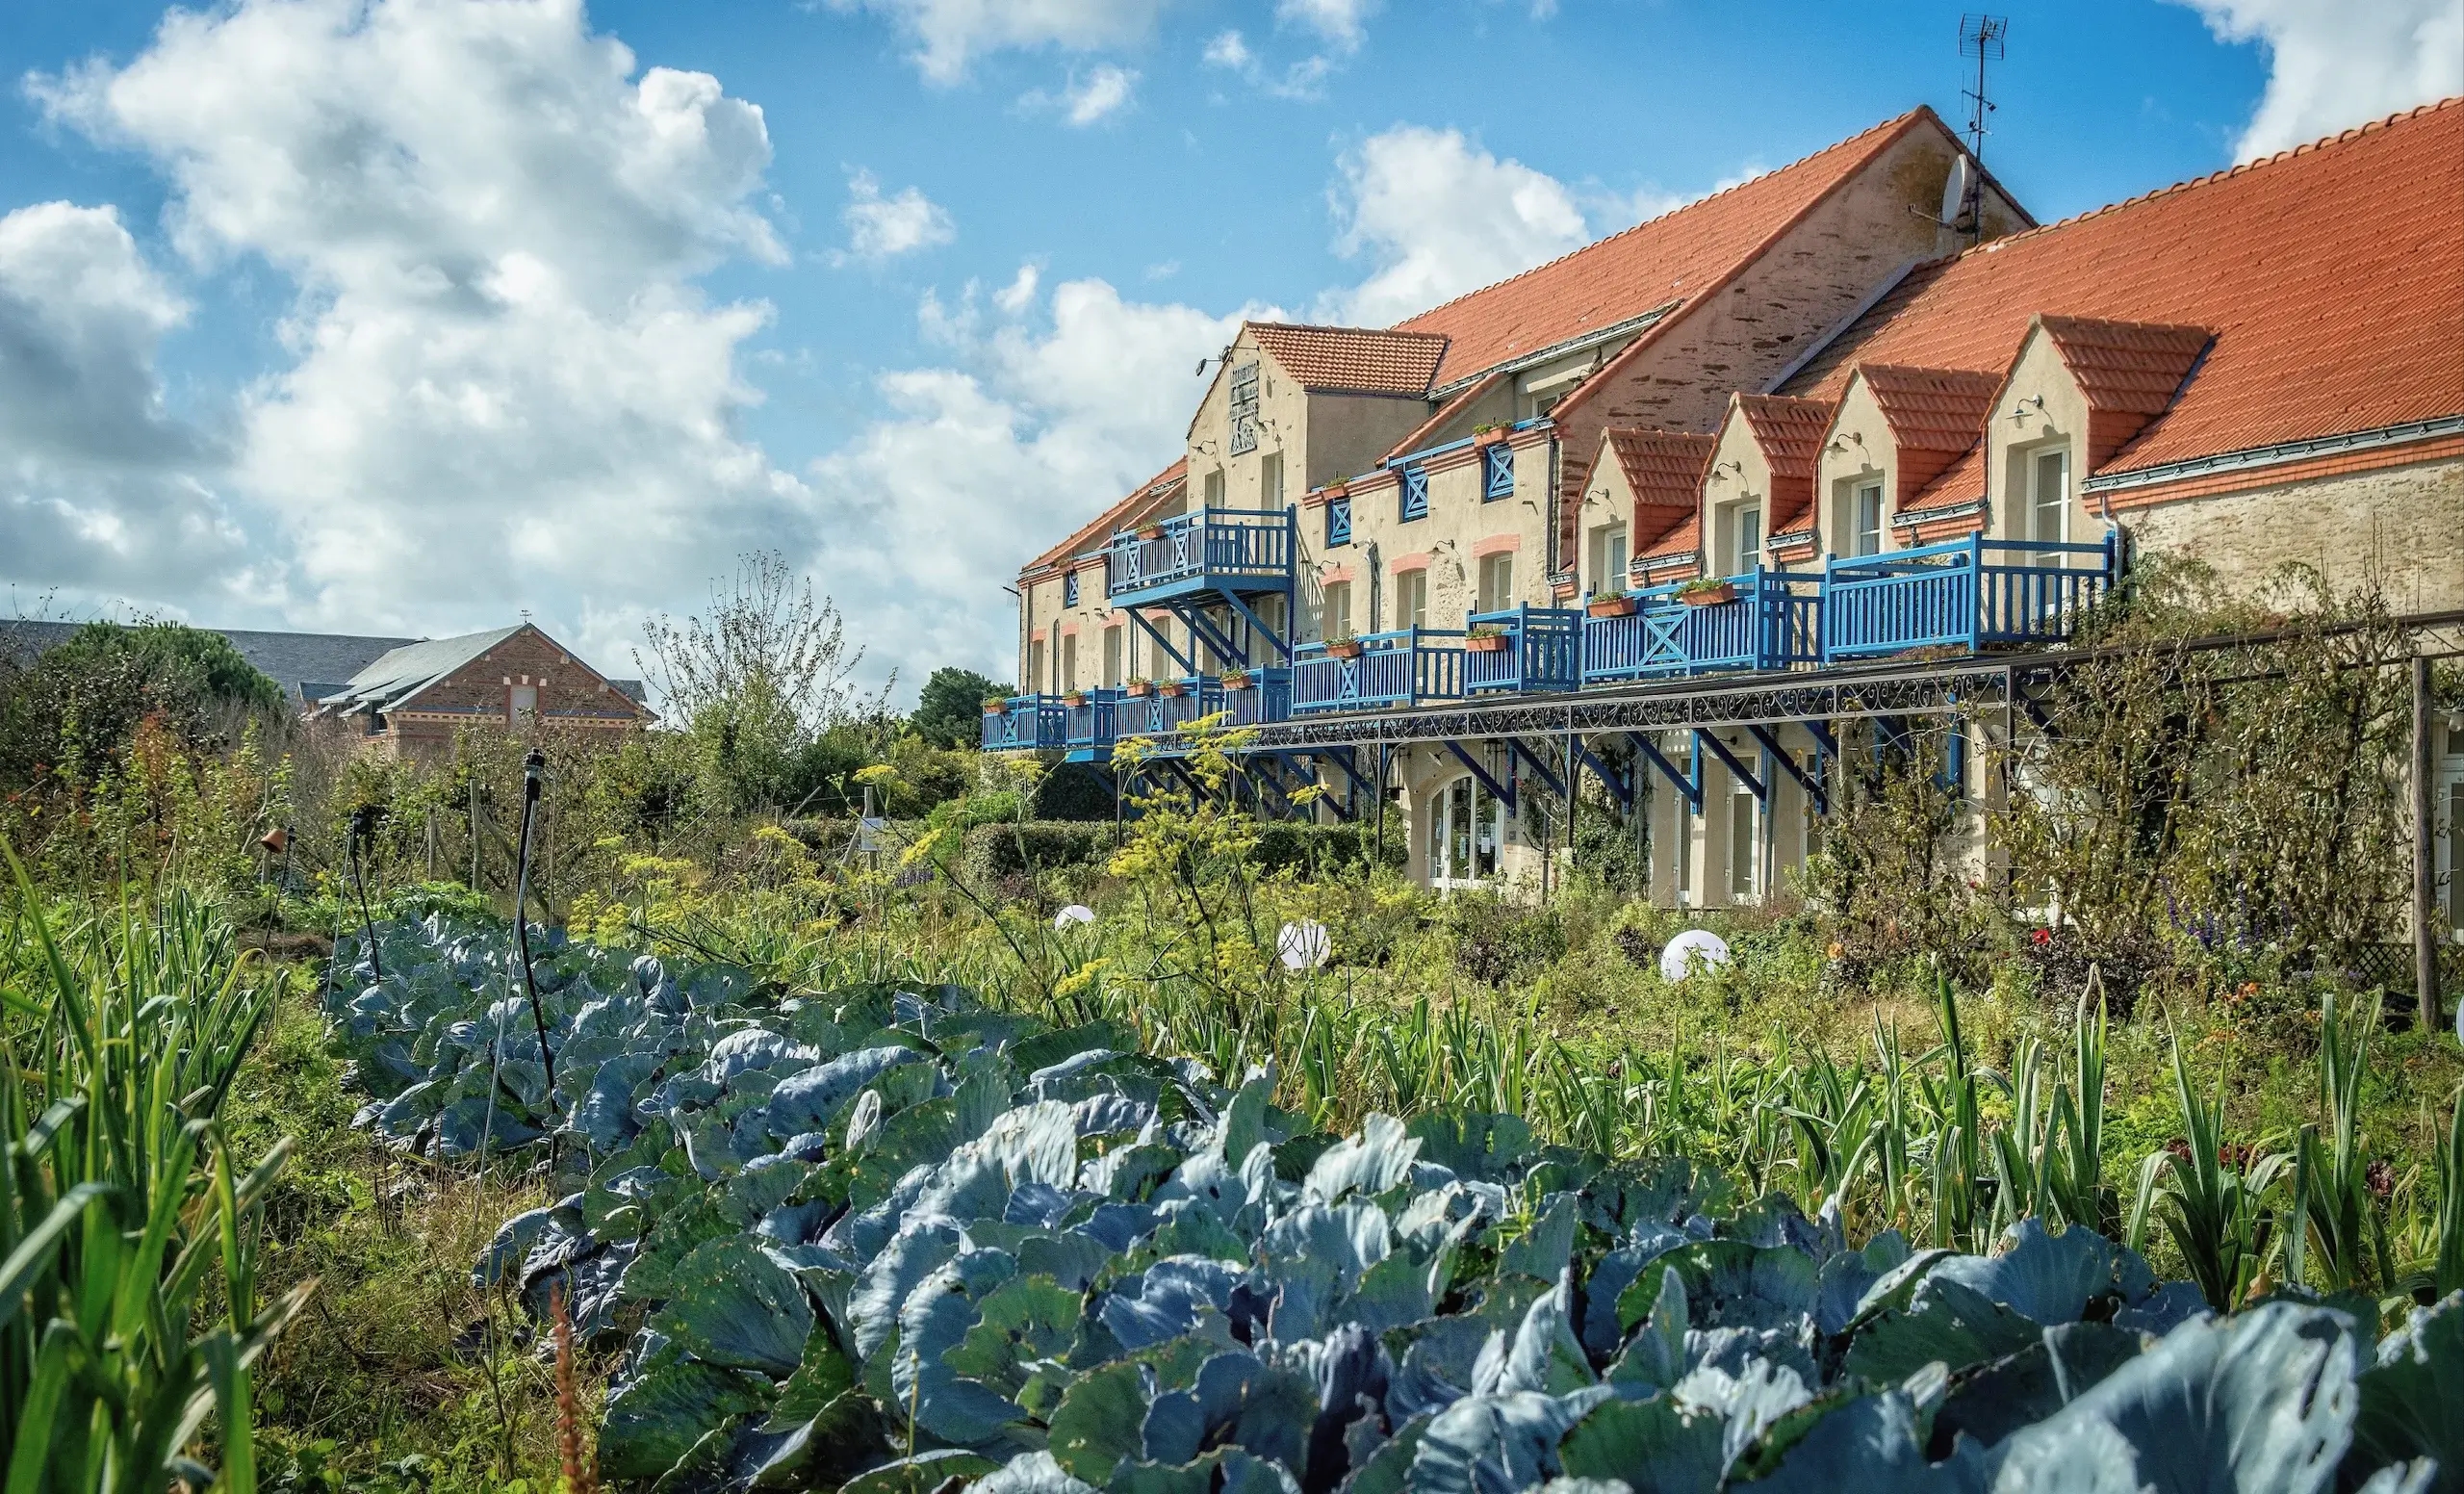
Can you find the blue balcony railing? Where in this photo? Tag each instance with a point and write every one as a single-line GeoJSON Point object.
{"type": "Point", "coordinates": [1773, 622]}
{"type": "Point", "coordinates": [1089, 722]}
{"type": "Point", "coordinates": [1026, 722]}
{"type": "Point", "coordinates": [1160, 716]}
{"type": "Point", "coordinates": [1963, 593]}
{"type": "Point", "coordinates": [1264, 701]}
{"type": "Point", "coordinates": [1213, 546]}
{"type": "Point", "coordinates": [1543, 649]}
{"type": "Point", "coordinates": [1404, 668]}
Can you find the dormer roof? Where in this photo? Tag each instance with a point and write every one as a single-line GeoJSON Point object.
{"type": "Point", "coordinates": [1662, 468]}
{"type": "Point", "coordinates": [1790, 433]}
{"type": "Point", "coordinates": [1935, 416]}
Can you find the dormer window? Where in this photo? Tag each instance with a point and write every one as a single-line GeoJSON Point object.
{"type": "Point", "coordinates": [1865, 519]}
{"type": "Point", "coordinates": [1739, 545]}
{"type": "Point", "coordinates": [2049, 495]}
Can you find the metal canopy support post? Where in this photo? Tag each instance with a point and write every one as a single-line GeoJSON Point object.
{"type": "Point", "coordinates": [1505, 795]}
{"type": "Point", "coordinates": [1773, 752]}
{"type": "Point", "coordinates": [1203, 627]}
{"type": "Point", "coordinates": [1687, 787]}
{"type": "Point", "coordinates": [2425, 870]}
{"type": "Point", "coordinates": [1379, 808]}
{"type": "Point", "coordinates": [1548, 776]}
{"type": "Point", "coordinates": [1754, 786]}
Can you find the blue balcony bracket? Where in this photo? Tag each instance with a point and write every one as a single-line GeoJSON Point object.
{"type": "Point", "coordinates": [1539, 766]}
{"type": "Point", "coordinates": [1341, 758]}
{"type": "Point", "coordinates": [1504, 792]}
{"type": "Point", "coordinates": [1215, 641]}
{"type": "Point", "coordinates": [1618, 788]}
{"type": "Point", "coordinates": [1774, 752]}
{"type": "Point", "coordinates": [1687, 785]}
{"type": "Point", "coordinates": [1188, 665]}
{"type": "Point", "coordinates": [1729, 759]}
{"type": "Point", "coordinates": [1258, 625]}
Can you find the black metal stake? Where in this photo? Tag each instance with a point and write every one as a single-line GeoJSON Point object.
{"type": "Point", "coordinates": [532, 767]}
{"type": "Point", "coordinates": [363, 827]}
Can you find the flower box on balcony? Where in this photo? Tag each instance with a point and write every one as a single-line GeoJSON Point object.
{"type": "Point", "coordinates": [1489, 437]}
{"type": "Point", "coordinates": [995, 707]}
{"type": "Point", "coordinates": [1487, 642]}
{"type": "Point", "coordinates": [1150, 531]}
{"type": "Point", "coordinates": [1073, 699]}
{"type": "Point", "coordinates": [1343, 648]}
{"type": "Point", "coordinates": [1618, 605]}
{"type": "Point", "coordinates": [1707, 593]}
{"type": "Point", "coordinates": [1237, 680]}
{"type": "Point", "coordinates": [1138, 689]}
{"type": "Point", "coordinates": [1171, 692]}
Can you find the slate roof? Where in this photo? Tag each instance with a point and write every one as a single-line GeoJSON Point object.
{"type": "Point", "coordinates": [1675, 256]}
{"type": "Point", "coordinates": [2328, 278]}
{"type": "Point", "coordinates": [1353, 360]}
{"type": "Point", "coordinates": [401, 674]}
{"type": "Point", "coordinates": [297, 662]}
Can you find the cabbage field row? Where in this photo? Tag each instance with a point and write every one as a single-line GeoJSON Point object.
{"type": "Point", "coordinates": [889, 1240]}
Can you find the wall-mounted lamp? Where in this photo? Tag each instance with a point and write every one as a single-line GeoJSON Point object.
{"type": "Point", "coordinates": [2020, 412]}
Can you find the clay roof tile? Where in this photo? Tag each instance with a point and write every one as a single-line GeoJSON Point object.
{"type": "Point", "coordinates": [1361, 360]}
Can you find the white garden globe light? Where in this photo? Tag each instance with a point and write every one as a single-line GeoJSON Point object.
{"type": "Point", "coordinates": [1695, 948]}
{"type": "Point", "coordinates": [1075, 913]}
{"type": "Point", "coordinates": [1304, 945]}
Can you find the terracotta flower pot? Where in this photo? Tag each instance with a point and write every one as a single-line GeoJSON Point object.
{"type": "Point", "coordinates": [1174, 691]}
{"type": "Point", "coordinates": [1151, 532]}
{"type": "Point", "coordinates": [1238, 683]}
{"type": "Point", "coordinates": [1488, 438]}
{"type": "Point", "coordinates": [1350, 650]}
{"type": "Point", "coordinates": [1709, 596]}
{"type": "Point", "coordinates": [1140, 692]}
{"type": "Point", "coordinates": [1610, 607]}
{"type": "Point", "coordinates": [1496, 645]}
{"type": "Point", "coordinates": [1073, 700]}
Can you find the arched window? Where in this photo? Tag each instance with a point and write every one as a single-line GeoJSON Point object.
{"type": "Point", "coordinates": [1467, 827]}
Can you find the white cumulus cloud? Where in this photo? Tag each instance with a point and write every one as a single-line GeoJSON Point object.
{"type": "Point", "coordinates": [503, 388]}
{"type": "Point", "coordinates": [103, 493]}
{"type": "Point", "coordinates": [2333, 64]}
{"type": "Point", "coordinates": [1046, 414]}
{"type": "Point", "coordinates": [948, 35]}
{"type": "Point", "coordinates": [879, 228]}
{"type": "Point", "coordinates": [1104, 92]}
{"type": "Point", "coordinates": [1343, 23]}
{"type": "Point", "coordinates": [1438, 215]}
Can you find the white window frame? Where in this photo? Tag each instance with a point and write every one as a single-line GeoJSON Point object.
{"type": "Point", "coordinates": [1270, 480]}
{"type": "Point", "coordinates": [2037, 505]}
{"type": "Point", "coordinates": [1334, 609]}
{"type": "Point", "coordinates": [1858, 533]}
{"type": "Point", "coordinates": [1745, 858]}
{"type": "Point", "coordinates": [1496, 580]}
{"type": "Point", "coordinates": [2446, 818]}
{"type": "Point", "coordinates": [1411, 598]}
{"type": "Point", "coordinates": [1486, 813]}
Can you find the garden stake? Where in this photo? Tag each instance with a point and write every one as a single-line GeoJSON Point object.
{"type": "Point", "coordinates": [363, 827]}
{"type": "Point", "coordinates": [532, 767]}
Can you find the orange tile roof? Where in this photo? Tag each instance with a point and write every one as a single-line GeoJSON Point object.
{"type": "Point", "coordinates": [1789, 431]}
{"type": "Point", "coordinates": [1935, 416]}
{"type": "Point", "coordinates": [1146, 495]}
{"type": "Point", "coordinates": [1663, 467]}
{"type": "Point", "coordinates": [1685, 539]}
{"type": "Point", "coordinates": [1675, 255]}
{"type": "Point", "coordinates": [2329, 276]}
{"type": "Point", "coordinates": [1362, 360]}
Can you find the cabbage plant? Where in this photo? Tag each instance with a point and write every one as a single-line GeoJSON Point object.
{"type": "Point", "coordinates": [888, 1239]}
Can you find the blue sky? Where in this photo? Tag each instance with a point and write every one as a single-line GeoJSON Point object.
{"type": "Point", "coordinates": [399, 315]}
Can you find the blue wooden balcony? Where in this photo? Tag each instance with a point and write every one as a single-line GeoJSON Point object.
{"type": "Point", "coordinates": [1963, 593]}
{"type": "Point", "coordinates": [1266, 700]}
{"type": "Point", "coordinates": [1233, 549]}
{"type": "Point", "coordinates": [1157, 714]}
{"type": "Point", "coordinates": [1404, 668]}
{"type": "Point", "coordinates": [1774, 621]}
{"type": "Point", "coordinates": [1026, 723]}
{"type": "Point", "coordinates": [1541, 653]}
{"type": "Point", "coordinates": [1088, 723]}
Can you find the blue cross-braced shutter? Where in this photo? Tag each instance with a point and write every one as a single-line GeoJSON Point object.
{"type": "Point", "coordinates": [1497, 471]}
{"type": "Point", "coordinates": [1338, 522]}
{"type": "Point", "coordinates": [1414, 494]}
{"type": "Point", "coordinates": [1069, 589]}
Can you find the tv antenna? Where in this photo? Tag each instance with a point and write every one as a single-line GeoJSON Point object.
{"type": "Point", "coordinates": [1980, 37]}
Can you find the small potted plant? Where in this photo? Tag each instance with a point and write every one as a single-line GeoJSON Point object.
{"type": "Point", "coordinates": [1486, 638]}
{"type": "Point", "coordinates": [1150, 531]}
{"type": "Point", "coordinates": [1237, 680]}
{"type": "Point", "coordinates": [995, 705]}
{"type": "Point", "coordinates": [1487, 434]}
{"type": "Point", "coordinates": [1173, 690]}
{"type": "Point", "coordinates": [1613, 603]}
{"type": "Point", "coordinates": [1138, 688]}
{"type": "Point", "coordinates": [1073, 699]}
{"type": "Point", "coordinates": [1706, 591]}
{"type": "Point", "coordinates": [1341, 645]}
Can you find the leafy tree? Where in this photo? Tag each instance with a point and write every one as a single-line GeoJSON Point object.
{"type": "Point", "coordinates": [946, 714]}
{"type": "Point", "coordinates": [78, 707]}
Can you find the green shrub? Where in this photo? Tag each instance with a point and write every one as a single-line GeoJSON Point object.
{"type": "Point", "coordinates": [1314, 850]}
{"type": "Point", "coordinates": [997, 851]}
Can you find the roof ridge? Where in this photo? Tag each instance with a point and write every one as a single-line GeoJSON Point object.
{"type": "Point", "coordinates": [1890, 129]}
{"type": "Point", "coordinates": [2306, 148]}
{"type": "Point", "coordinates": [1337, 326]}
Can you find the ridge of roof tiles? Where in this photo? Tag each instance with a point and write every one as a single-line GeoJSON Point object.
{"type": "Point", "coordinates": [1153, 490]}
{"type": "Point", "coordinates": [2326, 280]}
{"type": "Point", "coordinates": [1664, 467]}
{"type": "Point", "coordinates": [1626, 273]}
{"type": "Point", "coordinates": [1363, 360]}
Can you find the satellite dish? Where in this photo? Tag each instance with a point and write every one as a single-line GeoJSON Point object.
{"type": "Point", "coordinates": [1956, 188]}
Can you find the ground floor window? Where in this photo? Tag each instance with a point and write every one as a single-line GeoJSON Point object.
{"type": "Point", "coordinates": [1744, 861]}
{"type": "Point", "coordinates": [1468, 827]}
{"type": "Point", "coordinates": [2447, 805]}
